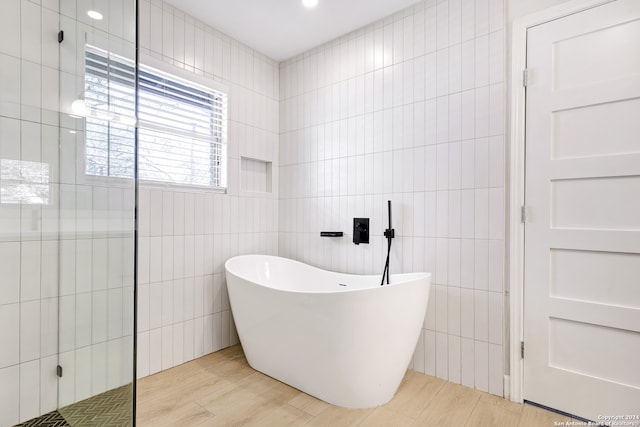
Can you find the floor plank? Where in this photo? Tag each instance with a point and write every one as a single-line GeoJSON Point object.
{"type": "Point", "coordinates": [532, 416]}
{"type": "Point", "coordinates": [308, 404]}
{"type": "Point", "coordinates": [187, 414]}
{"type": "Point", "coordinates": [383, 417]}
{"type": "Point", "coordinates": [335, 416]}
{"type": "Point", "coordinates": [281, 416]}
{"type": "Point", "coordinates": [450, 407]}
{"type": "Point", "coordinates": [414, 394]}
{"type": "Point", "coordinates": [493, 411]}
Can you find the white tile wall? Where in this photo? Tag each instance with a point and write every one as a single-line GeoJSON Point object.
{"type": "Point", "coordinates": [186, 235]}
{"type": "Point", "coordinates": [408, 109]}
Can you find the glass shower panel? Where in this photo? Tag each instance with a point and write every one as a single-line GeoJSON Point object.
{"type": "Point", "coordinates": [66, 235]}
{"type": "Point", "coordinates": [97, 211]}
{"type": "Point", "coordinates": [29, 203]}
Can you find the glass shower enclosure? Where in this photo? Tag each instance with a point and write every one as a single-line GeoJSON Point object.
{"type": "Point", "coordinates": [67, 211]}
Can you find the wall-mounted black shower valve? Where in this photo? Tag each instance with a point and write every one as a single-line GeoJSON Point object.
{"type": "Point", "coordinates": [360, 230]}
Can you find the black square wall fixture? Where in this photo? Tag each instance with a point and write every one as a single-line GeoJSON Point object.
{"type": "Point", "coordinates": [360, 230]}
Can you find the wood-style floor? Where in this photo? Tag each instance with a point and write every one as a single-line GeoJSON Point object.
{"type": "Point", "coordinates": [221, 389]}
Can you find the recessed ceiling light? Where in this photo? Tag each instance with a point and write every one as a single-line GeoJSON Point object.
{"type": "Point", "coordinates": [94, 14]}
{"type": "Point", "coordinates": [310, 3]}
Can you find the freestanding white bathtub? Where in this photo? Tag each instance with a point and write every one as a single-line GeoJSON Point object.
{"type": "Point", "coordinates": [341, 338]}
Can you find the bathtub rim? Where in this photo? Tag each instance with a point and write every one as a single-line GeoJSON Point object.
{"type": "Point", "coordinates": [404, 277]}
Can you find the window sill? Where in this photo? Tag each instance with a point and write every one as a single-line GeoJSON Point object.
{"type": "Point", "coordinates": [117, 182]}
{"type": "Point", "coordinates": [185, 188]}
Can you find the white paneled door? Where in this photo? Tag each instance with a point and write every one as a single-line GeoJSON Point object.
{"type": "Point", "coordinates": [582, 234]}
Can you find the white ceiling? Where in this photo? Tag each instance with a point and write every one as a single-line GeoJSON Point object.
{"type": "Point", "coordinates": [281, 29]}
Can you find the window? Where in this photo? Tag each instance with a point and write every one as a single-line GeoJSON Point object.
{"type": "Point", "coordinates": [181, 125]}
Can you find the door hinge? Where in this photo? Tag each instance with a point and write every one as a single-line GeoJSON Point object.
{"type": "Point", "coordinates": [525, 77]}
{"type": "Point", "coordinates": [523, 214]}
{"type": "Point", "coordinates": [59, 371]}
{"type": "Point", "coordinates": [522, 349]}
{"type": "Point", "coordinates": [60, 36]}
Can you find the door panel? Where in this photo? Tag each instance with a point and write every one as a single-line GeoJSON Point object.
{"type": "Point", "coordinates": [579, 275]}
{"type": "Point", "coordinates": [582, 237]}
{"type": "Point", "coordinates": [579, 132]}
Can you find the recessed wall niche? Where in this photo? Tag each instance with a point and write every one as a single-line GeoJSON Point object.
{"type": "Point", "coordinates": [255, 175]}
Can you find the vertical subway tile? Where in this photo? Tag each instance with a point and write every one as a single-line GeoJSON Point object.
{"type": "Point", "coordinates": [496, 161]}
{"type": "Point", "coordinates": [83, 373]}
{"type": "Point", "coordinates": [155, 350]}
{"type": "Point", "coordinates": [48, 383]}
{"type": "Point", "coordinates": [453, 310]}
{"type": "Point", "coordinates": [467, 316]}
{"type": "Point", "coordinates": [167, 347]}
{"type": "Point", "coordinates": [430, 352]}
{"type": "Point", "coordinates": [496, 265]}
{"type": "Point", "coordinates": [454, 359]}
{"type": "Point", "coordinates": [455, 69]}
{"type": "Point", "coordinates": [167, 34]}
{"type": "Point", "coordinates": [29, 331]}
{"type": "Point", "coordinates": [496, 213]}
{"type": "Point", "coordinates": [496, 109]}
{"type": "Point", "coordinates": [453, 277]}
{"type": "Point", "coordinates": [467, 63]}
{"type": "Point", "coordinates": [481, 366]}
{"type": "Point", "coordinates": [467, 353]}
{"type": "Point", "coordinates": [167, 258]}
{"type": "Point", "coordinates": [482, 63]}
{"type": "Point", "coordinates": [442, 24]}
{"type": "Point", "coordinates": [482, 17]}
{"type": "Point", "coordinates": [481, 224]}
{"type": "Point", "coordinates": [467, 263]}
{"type": "Point", "coordinates": [496, 15]}
{"type": "Point", "coordinates": [442, 359]}
{"type": "Point", "coordinates": [496, 369]}
{"type": "Point", "coordinates": [442, 72]}
{"type": "Point", "coordinates": [155, 209]}
{"type": "Point", "coordinates": [481, 264]}
{"type": "Point", "coordinates": [442, 255]}
{"type": "Point", "coordinates": [10, 395]}
{"type": "Point", "coordinates": [441, 307]}
{"type": "Point", "coordinates": [455, 21]}
{"type": "Point", "coordinates": [10, 339]}
{"type": "Point", "coordinates": [481, 315]}
{"type": "Point", "coordinates": [188, 340]}
{"type": "Point", "coordinates": [418, 354]}
{"type": "Point", "coordinates": [98, 368]}
{"type": "Point", "coordinates": [496, 56]}
{"type": "Point", "coordinates": [167, 213]}
{"type": "Point", "coordinates": [482, 112]}
{"type": "Point", "coordinates": [142, 353]}
{"type": "Point", "coordinates": [10, 267]}
{"type": "Point", "coordinates": [10, 22]}
{"type": "Point", "coordinates": [496, 330]}
{"type": "Point", "coordinates": [29, 390]}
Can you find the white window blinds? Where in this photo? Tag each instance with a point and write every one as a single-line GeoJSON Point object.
{"type": "Point", "coordinates": [109, 100]}
{"type": "Point", "coordinates": [181, 128]}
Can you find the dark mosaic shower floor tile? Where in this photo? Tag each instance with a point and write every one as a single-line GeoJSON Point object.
{"type": "Point", "coordinates": [52, 419]}
{"type": "Point", "coordinates": [109, 409]}
{"type": "Point", "coordinates": [112, 408]}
